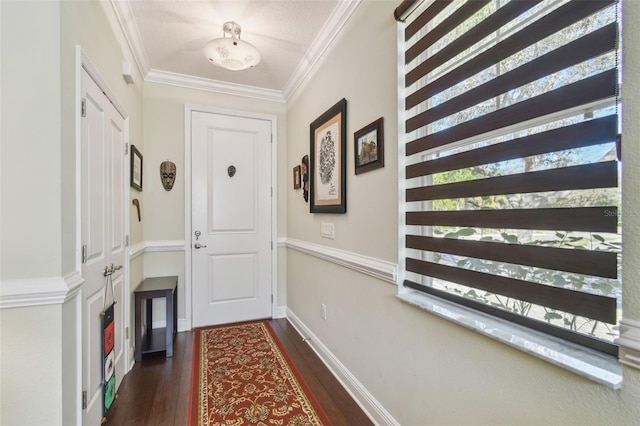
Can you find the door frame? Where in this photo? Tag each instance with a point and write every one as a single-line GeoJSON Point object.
{"type": "Point", "coordinates": [83, 62]}
{"type": "Point", "coordinates": [188, 110]}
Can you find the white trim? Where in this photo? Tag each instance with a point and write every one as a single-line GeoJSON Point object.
{"type": "Point", "coordinates": [311, 59]}
{"type": "Point", "coordinates": [26, 292]}
{"type": "Point", "coordinates": [217, 86]}
{"type": "Point", "coordinates": [629, 343]}
{"type": "Point", "coordinates": [137, 249]}
{"type": "Point", "coordinates": [369, 404]}
{"type": "Point", "coordinates": [93, 72]}
{"type": "Point", "coordinates": [281, 312]}
{"type": "Point", "coordinates": [166, 245]}
{"type": "Point", "coordinates": [596, 366]}
{"type": "Point", "coordinates": [188, 281]}
{"type": "Point", "coordinates": [377, 268]}
{"type": "Point", "coordinates": [74, 283]}
{"type": "Point", "coordinates": [131, 33]}
{"type": "Point", "coordinates": [156, 246]}
{"type": "Point", "coordinates": [333, 26]}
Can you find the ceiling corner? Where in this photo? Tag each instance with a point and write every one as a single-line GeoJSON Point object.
{"type": "Point", "coordinates": [323, 41]}
{"type": "Point", "coordinates": [122, 9]}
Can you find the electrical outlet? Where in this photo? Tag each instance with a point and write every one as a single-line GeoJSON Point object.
{"type": "Point", "coordinates": [323, 311]}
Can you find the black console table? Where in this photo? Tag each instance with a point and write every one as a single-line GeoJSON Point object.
{"type": "Point", "coordinates": [159, 339]}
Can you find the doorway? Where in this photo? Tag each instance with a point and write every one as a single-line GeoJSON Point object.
{"type": "Point", "coordinates": [231, 230]}
{"type": "Point", "coordinates": [103, 229]}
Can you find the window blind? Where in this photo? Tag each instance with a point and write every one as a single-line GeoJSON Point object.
{"type": "Point", "coordinates": [512, 144]}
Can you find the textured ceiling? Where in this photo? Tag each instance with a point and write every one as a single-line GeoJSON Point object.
{"type": "Point", "coordinates": [171, 35]}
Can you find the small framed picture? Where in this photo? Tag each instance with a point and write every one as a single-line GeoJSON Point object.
{"type": "Point", "coordinates": [136, 168]}
{"type": "Point", "coordinates": [297, 177]}
{"type": "Point", "coordinates": [369, 147]}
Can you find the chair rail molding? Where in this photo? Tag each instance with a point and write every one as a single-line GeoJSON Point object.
{"type": "Point", "coordinates": [381, 269]}
{"type": "Point", "coordinates": [156, 246]}
{"type": "Point", "coordinates": [26, 292]}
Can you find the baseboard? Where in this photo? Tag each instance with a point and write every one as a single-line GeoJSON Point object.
{"type": "Point", "coordinates": [372, 408]}
{"type": "Point", "coordinates": [281, 312]}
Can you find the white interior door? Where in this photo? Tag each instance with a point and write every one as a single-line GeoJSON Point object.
{"type": "Point", "coordinates": [231, 218]}
{"type": "Point", "coordinates": [102, 194]}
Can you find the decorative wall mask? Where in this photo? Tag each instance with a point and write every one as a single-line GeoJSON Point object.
{"type": "Point", "coordinates": [168, 174]}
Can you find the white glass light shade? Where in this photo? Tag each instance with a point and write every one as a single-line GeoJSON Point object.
{"type": "Point", "coordinates": [232, 53]}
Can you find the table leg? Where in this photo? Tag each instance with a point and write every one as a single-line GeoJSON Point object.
{"type": "Point", "coordinates": [170, 322]}
{"type": "Point", "coordinates": [138, 331]}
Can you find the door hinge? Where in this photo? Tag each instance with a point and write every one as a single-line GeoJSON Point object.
{"type": "Point", "coordinates": [126, 333]}
{"type": "Point", "coordinates": [272, 191]}
{"type": "Point", "coordinates": [126, 148]}
{"type": "Point", "coordinates": [272, 299]}
{"type": "Point", "coordinates": [83, 108]}
{"type": "Point", "coordinates": [271, 138]}
{"type": "Point", "coordinates": [126, 241]}
{"type": "Point", "coordinates": [271, 245]}
{"type": "Point", "coordinates": [84, 253]}
{"type": "Point", "coordinates": [84, 400]}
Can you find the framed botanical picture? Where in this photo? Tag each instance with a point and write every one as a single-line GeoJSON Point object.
{"type": "Point", "coordinates": [368, 147]}
{"type": "Point", "coordinates": [136, 168]}
{"type": "Point", "coordinates": [327, 162]}
{"type": "Point", "coordinates": [297, 177]}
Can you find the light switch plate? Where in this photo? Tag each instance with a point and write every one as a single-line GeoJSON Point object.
{"type": "Point", "coordinates": [327, 230]}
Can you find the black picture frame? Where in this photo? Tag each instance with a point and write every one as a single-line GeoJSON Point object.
{"type": "Point", "coordinates": [136, 168]}
{"type": "Point", "coordinates": [327, 161]}
{"type": "Point", "coordinates": [368, 147]}
{"type": "Point", "coordinates": [297, 177]}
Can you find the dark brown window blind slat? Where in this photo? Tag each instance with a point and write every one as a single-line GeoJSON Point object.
{"type": "Point", "coordinates": [456, 18]}
{"type": "Point", "coordinates": [404, 9]}
{"type": "Point", "coordinates": [579, 219]}
{"type": "Point", "coordinates": [600, 308]}
{"type": "Point", "coordinates": [563, 17]}
{"type": "Point", "coordinates": [592, 89]}
{"type": "Point", "coordinates": [587, 133]}
{"type": "Point", "coordinates": [490, 25]}
{"type": "Point", "coordinates": [588, 47]}
{"type": "Point", "coordinates": [425, 17]}
{"type": "Point", "coordinates": [586, 262]}
{"type": "Point", "coordinates": [588, 176]}
{"type": "Point", "coordinates": [547, 328]}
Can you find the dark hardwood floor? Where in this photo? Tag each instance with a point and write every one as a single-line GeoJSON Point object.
{"type": "Point", "coordinates": [156, 391]}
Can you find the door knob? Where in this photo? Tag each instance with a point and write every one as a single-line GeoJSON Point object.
{"type": "Point", "coordinates": [198, 245]}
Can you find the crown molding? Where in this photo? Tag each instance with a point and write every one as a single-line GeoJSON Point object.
{"type": "Point", "coordinates": [330, 30]}
{"type": "Point", "coordinates": [131, 33]}
{"type": "Point", "coordinates": [629, 343]}
{"type": "Point", "coordinates": [199, 83]}
{"type": "Point", "coordinates": [314, 56]}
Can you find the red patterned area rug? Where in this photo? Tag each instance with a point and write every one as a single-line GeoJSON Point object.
{"type": "Point", "coordinates": [243, 376]}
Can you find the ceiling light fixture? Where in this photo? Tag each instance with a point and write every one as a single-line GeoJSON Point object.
{"type": "Point", "coordinates": [232, 53]}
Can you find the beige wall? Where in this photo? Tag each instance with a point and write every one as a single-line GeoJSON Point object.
{"type": "Point", "coordinates": [38, 344]}
{"type": "Point", "coordinates": [421, 368]}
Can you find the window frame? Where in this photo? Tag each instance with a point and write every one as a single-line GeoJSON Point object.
{"type": "Point", "coordinates": [569, 355]}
